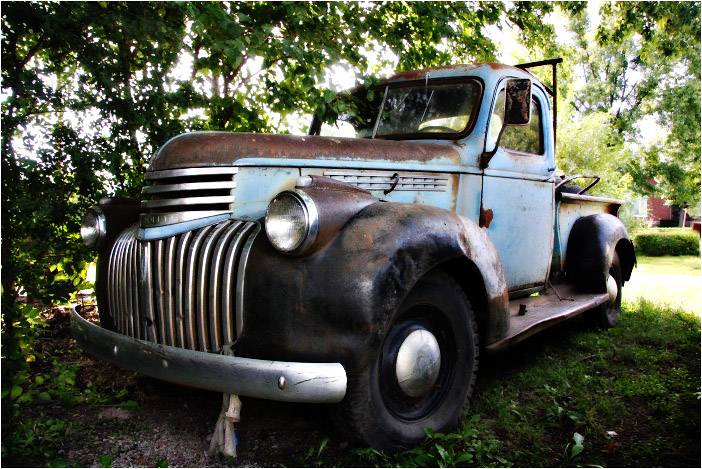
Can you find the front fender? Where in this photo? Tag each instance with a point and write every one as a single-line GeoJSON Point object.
{"type": "Point", "coordinates": [337, 304]}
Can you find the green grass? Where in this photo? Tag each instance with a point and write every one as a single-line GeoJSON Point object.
{"type": "Point", "coordinates": [668, 280]}
{"type": "Point", "coordinates": [675, 230]}
{"type": "Point", "coordinates": [552, 400]}
{"type": "Point", "coordinates": [678, 265]}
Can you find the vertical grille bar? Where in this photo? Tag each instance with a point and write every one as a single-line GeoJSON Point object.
{"type": "Point", "coordinates": [159, 290]}
{"type": "Point", "coordinates": [133, 287]}
{"type": "Point", "coordinates": [190, 294]}
{"type": "Point", "coordinates": [116, 313]}
{"type": "Point", "coordinates": [220, 325]}
{"type": "Point", "coordinates": [185, 290]}
{"type": "Point", "coordinates": [229, 284]}
{"type": "Point", "coordinates": [240, 281]}
{"type": "Point", "coordinates": [146, 291]}
{"type": "Point", "coordinates": [180, 299]}
{"type": "Point", "coordinates": [202, 287]}
{"type": "Point", "coordinates": [118, 316]}
{"type": "Point", "coordinates": [170, 287]}
{"type": "Point", "coordinates": [124, 279]}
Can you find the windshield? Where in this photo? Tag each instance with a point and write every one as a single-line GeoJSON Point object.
{"type": "Point", "coordinates": [426, 109]}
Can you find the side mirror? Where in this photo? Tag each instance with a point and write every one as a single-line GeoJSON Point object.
{"type": "Point", "coordinates": [517, 111]}
{"type": "Point", "coordinates": [517, 102]}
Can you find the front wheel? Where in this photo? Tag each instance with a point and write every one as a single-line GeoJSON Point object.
{"type": "Point", "coordinates": [607, 314]}
{"type": "Point", "coordinates": [422, 375]}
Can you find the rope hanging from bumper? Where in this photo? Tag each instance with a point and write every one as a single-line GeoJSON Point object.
{"type": "Point", "coordinates": [224, 437]}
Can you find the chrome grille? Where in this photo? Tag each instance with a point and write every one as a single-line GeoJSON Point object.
{"type": "Point", "coordinates": [186, 290]}
{"type": "Point", "coordinates": [385, 180]}
{"type": "Point", "coordinates": [180, 195]}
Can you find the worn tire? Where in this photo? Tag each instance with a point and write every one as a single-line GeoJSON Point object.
{"type": "Point", "coordinates": [376, 411]}
{"type": "Point", "coordinates": [606, 315]}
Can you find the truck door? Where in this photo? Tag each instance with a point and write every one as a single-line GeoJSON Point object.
{"type": "Point", "coordinates": [518, 199]}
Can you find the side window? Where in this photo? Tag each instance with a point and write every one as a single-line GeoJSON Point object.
{"type": "Point", "coordinates": [525, 138]}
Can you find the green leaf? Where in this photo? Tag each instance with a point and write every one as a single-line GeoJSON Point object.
{"type": "Point", "coordinates": [329, 96]}
{"type": "Point", "coordinates": [322, 445]}
{"type": "Point", "coordinates": [106, 460]}
{"type": "Point", "coordinates": [16, 391]}
{"type": "Point", "coordinates": [578, 447]}
{"type": "Point", "coordinates": [442, 452]}
{"type": "Point", "coordinates": [129, 405]}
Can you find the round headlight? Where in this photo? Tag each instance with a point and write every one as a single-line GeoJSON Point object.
{"type": "Point", "coordinates": [93, 228]}
{"type": "Point", "coordinates": [291, 222]}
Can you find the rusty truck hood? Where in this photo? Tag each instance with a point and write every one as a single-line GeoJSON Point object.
{"type": "Point", "coordinates": [228, 148]}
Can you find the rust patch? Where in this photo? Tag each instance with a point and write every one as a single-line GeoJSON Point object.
{"type": "Point", "coordinates": [422, 73]}
{"type": "Point", "coordinates": [485, 217]}
{"type": "Point", "coordinates": [455, 181]}
{"type": "Point", "coordinates": [225, 148]}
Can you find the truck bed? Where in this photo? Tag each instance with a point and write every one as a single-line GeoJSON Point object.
{"type": "Point", "coordinates": [545, 310]}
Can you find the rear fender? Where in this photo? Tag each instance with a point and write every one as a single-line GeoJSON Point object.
{"type": "Point", "coordinates": [591, 246]}
{"type": "Point", "coordinates": [337, 304]}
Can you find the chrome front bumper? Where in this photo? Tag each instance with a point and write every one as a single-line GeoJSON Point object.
{"type": "Point", "coordinates": [279, 381]}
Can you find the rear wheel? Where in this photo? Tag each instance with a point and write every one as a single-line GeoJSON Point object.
{"type": "Point", "coordinates": [607, 314]}
{"type": "Point", "coordinates": [423, 373]}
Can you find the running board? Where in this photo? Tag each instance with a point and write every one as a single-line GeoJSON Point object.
{"type": "Point", "coordinates": [536, 313]}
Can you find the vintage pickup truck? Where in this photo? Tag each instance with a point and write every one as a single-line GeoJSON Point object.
{"type": "Point", "coordinates": [367, 271]}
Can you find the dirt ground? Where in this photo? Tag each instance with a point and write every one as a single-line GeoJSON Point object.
{"type": "Point", "coordinates": [173, 425]}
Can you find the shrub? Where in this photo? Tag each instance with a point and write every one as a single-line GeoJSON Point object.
{"type": "Point", "coordinates": [668, 244]}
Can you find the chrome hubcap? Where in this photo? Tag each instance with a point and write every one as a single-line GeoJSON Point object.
{"type": "Point", "coordinates": [612, 289]}
{"type": "Point", "coordinates": [418, 363]}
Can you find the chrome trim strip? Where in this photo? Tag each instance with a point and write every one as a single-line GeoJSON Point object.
{"type": "Point", "coordinates": [240, 280]}
{"type": "Point", "coordinates": [150, 220]}
{"type": "Point", "coordinates": [220, 324]}
{"type": "Point", "coordinates": [166, 231]}
{"type": "Point", "coordinates": [175, 173]}
{"type": "Point", "coordinates": [189, 186]}
{"type": "Point", "coordinates": [303, 382]}
{"type": "Point", "coordinates": [224, 199]}
{"type": "Point", "coordinates": [203, 268]}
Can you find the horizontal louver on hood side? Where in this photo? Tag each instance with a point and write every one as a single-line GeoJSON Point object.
{"type": "Point", "coordinates": [181, 195]}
